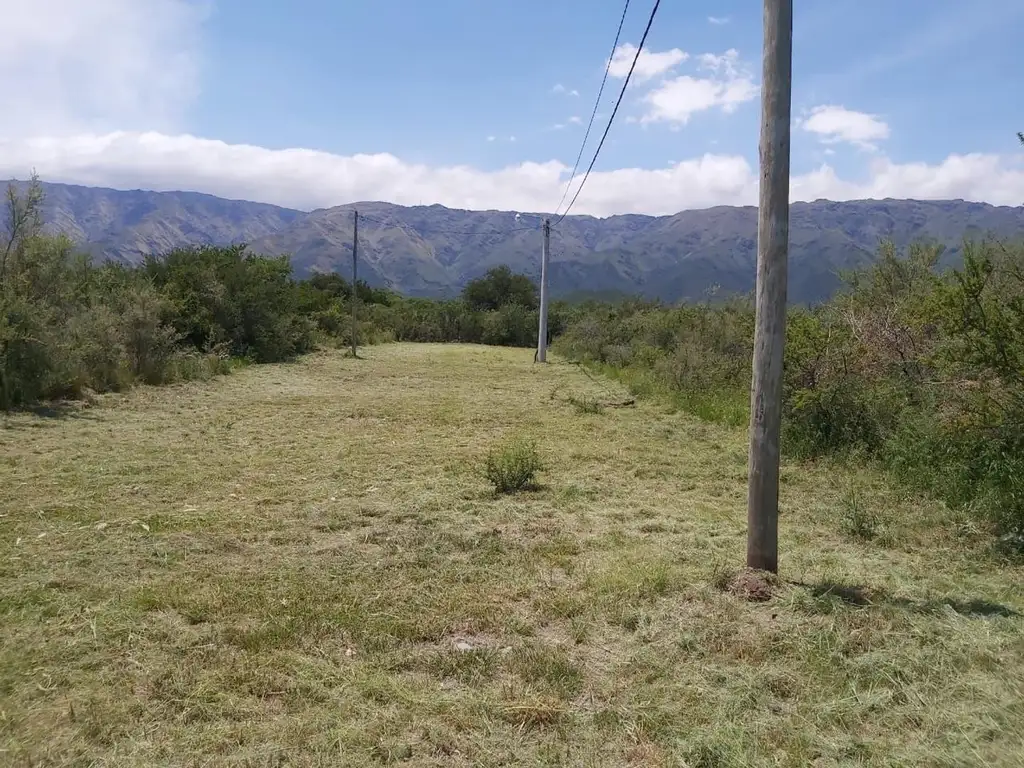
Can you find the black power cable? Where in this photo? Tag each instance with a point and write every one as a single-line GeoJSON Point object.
{"type": "Point", "coordinates": [597, 103]}
{"type": "Point", "coordinates": [622, 93]}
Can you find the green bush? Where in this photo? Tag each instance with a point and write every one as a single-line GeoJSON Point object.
{"type": "Point", "coordinates": [226, 295]}
{"type": "Point", "coordinates": [586, 405]}
{"type": "Point", "coordinates": [500, 287]}
{"type": "Point", "coordinates": [68, 326]}
{"type": "Point", "coordinates": [192, 365]}
{"type": "Point", "coordinates": [857, 518]}
{"type": "Point", "coordinates": [841, 417]}
{"type": "Point", "coordinates": [96, 352]}
{"type": "Point", "coordinates": [916, 369]}
{"type": "Point", "coordinates": [923, 372]}
{"type": "Point", "coordinates": [26, 361]}
{"type": "Point", "coordinates": [919, 370]}
{"type": "Point", "coordinates": [513, 325]}
{"type": "Point", "coordinates": [697, 356]}
{"type": "Point", "coordinates": [513, 467]}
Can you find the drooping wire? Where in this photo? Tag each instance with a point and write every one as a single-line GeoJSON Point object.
{"type": "Point", "coordinates": [597, 103]}
{"type": "Point", "coordinates": [611, 119]}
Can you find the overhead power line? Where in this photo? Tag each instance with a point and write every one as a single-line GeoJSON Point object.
{"type": "Point", "coordinates": [597, 103]}
{"type": "Point", "coordinates": [590, 124]}
{"type": "Point", "coordinates": [425, 231]}
{"type": "Point", "coordinates": [611, 119]}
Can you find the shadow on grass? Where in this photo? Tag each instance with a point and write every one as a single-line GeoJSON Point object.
{"type": "Point", "coordinates": [863, 596]}
{"type": "Point", "coordinates": [48, 412]}
{"type": "Point", "coordinates": [528, 490]}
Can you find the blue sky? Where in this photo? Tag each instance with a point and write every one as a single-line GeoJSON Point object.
{"type": "Point", "coordinates": [430, 81]}
{"type": "Point", "coordinates": [317, 103]}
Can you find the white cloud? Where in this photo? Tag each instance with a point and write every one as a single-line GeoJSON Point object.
{"type": "Point", "coordinates": [718, 20]}
{"type": "Point", "coordinates": [70, 66]}
{"type": "Point", "coordinates": [307, 179]}
{"type": "Point", "coordinates": [559, 88]}
{"type": "Point", "coordinates": [986, 178]}
{"type": "Point", "coordinates": [94, 93]}
{"type": "Point", "coordinates": [650, 64]}
{"type": "Point", "coordinates": [572, 120]}
{"type": "Point", "coordinates": [835, 124]}
{"type": "Point", "coordinates": [677, 99]}
{"type": "Point", "coordinates": [727, 64]}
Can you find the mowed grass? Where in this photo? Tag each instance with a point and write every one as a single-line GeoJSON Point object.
{"type": "Point", "coordinates": [303, 565]}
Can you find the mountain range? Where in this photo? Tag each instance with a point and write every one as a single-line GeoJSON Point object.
{"type": "Point", "coordinates": [434, 250]}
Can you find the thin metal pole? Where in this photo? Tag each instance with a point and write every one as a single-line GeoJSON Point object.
{"type": "Point", "coordinates": [355, 291]}
{"type": "Point", "coordinates": [770, 308]}
{"type": "Point", "coordinates": [542, 331]}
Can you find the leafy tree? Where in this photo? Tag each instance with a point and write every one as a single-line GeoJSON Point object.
{"type": "Point", "coordinates": [66, 325]}
{"type": "Point", "coordinates": [226, 296]}
{"type": "Point", "coordinates": [323, 290]}
{"type": "Point", "coordinates": [498, 288]}
{"type": "Point", "coordinates": [23, 222]}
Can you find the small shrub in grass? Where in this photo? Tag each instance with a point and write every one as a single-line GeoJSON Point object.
{"type": "Point", "coordinates": [721, 576]}
{"type": "Point", "coordinates": [513, 467]}
{"type": "Point", "coordinates": [858, 519]}
{"type": "Point", "coordinates": [200, 366]}
{"type": "Point", "coordinates": [586, 404]}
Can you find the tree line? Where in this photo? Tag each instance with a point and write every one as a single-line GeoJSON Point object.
{"type": "Point", "coordinates": [69, 326]}
{"type": "Point", "coordinates": [917, 370]}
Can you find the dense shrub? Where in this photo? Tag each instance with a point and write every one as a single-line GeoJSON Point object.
{"type": "Point", "coordinates": [513, 466]}
{"type": "Point", "coordinates": [455, 320]}
{"type": "Point", "coordinates": [697, 355]}
{"type": "Point", "coordinates": [499, 288]}
{"type": "Point", "coordinates": [512, 325]}
{"type": "Point", "coordinates": [226, 296]}
{"type": "Point", "coordinates": [919, 370]}
{"type": "Point", "coordinates": [924, 372]}
{"type": "Point", "coordinates": [67, 325]}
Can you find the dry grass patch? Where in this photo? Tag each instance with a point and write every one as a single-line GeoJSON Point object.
{"type": "Point", "coordinates": [303, 565]}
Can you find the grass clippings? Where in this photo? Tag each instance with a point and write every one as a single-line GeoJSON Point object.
{"type": "Point", "coordinates": [303, 565]}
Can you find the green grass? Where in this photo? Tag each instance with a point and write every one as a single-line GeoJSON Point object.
{"type": "Point", "coordinates": [303, 565]}
{"type": "Point", "coordinates": [719, 405]}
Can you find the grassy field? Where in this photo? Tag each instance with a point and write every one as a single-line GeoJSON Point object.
{"type": "Point", "coordinates": [303, 565]}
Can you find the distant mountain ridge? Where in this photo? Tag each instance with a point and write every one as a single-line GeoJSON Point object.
{"type": "Point", "coordinates": [434, 250]}
{"type": "Point", "coordinates": [130, 225]}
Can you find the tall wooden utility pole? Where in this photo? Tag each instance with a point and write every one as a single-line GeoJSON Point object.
{"type": "Point", "coordinates": [355, 291]}
{"type": "Point", "coordinates": [542, 331]}
{"type": "Point", "coordinates": [770, 312]}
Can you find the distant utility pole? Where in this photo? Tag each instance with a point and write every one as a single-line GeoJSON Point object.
{"type": "Point", "coordinates": [542, 331]}
{"type": "Point", "coordinates": [770, 312]}
{"type": "Point", "coordinates": [355, 292]}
